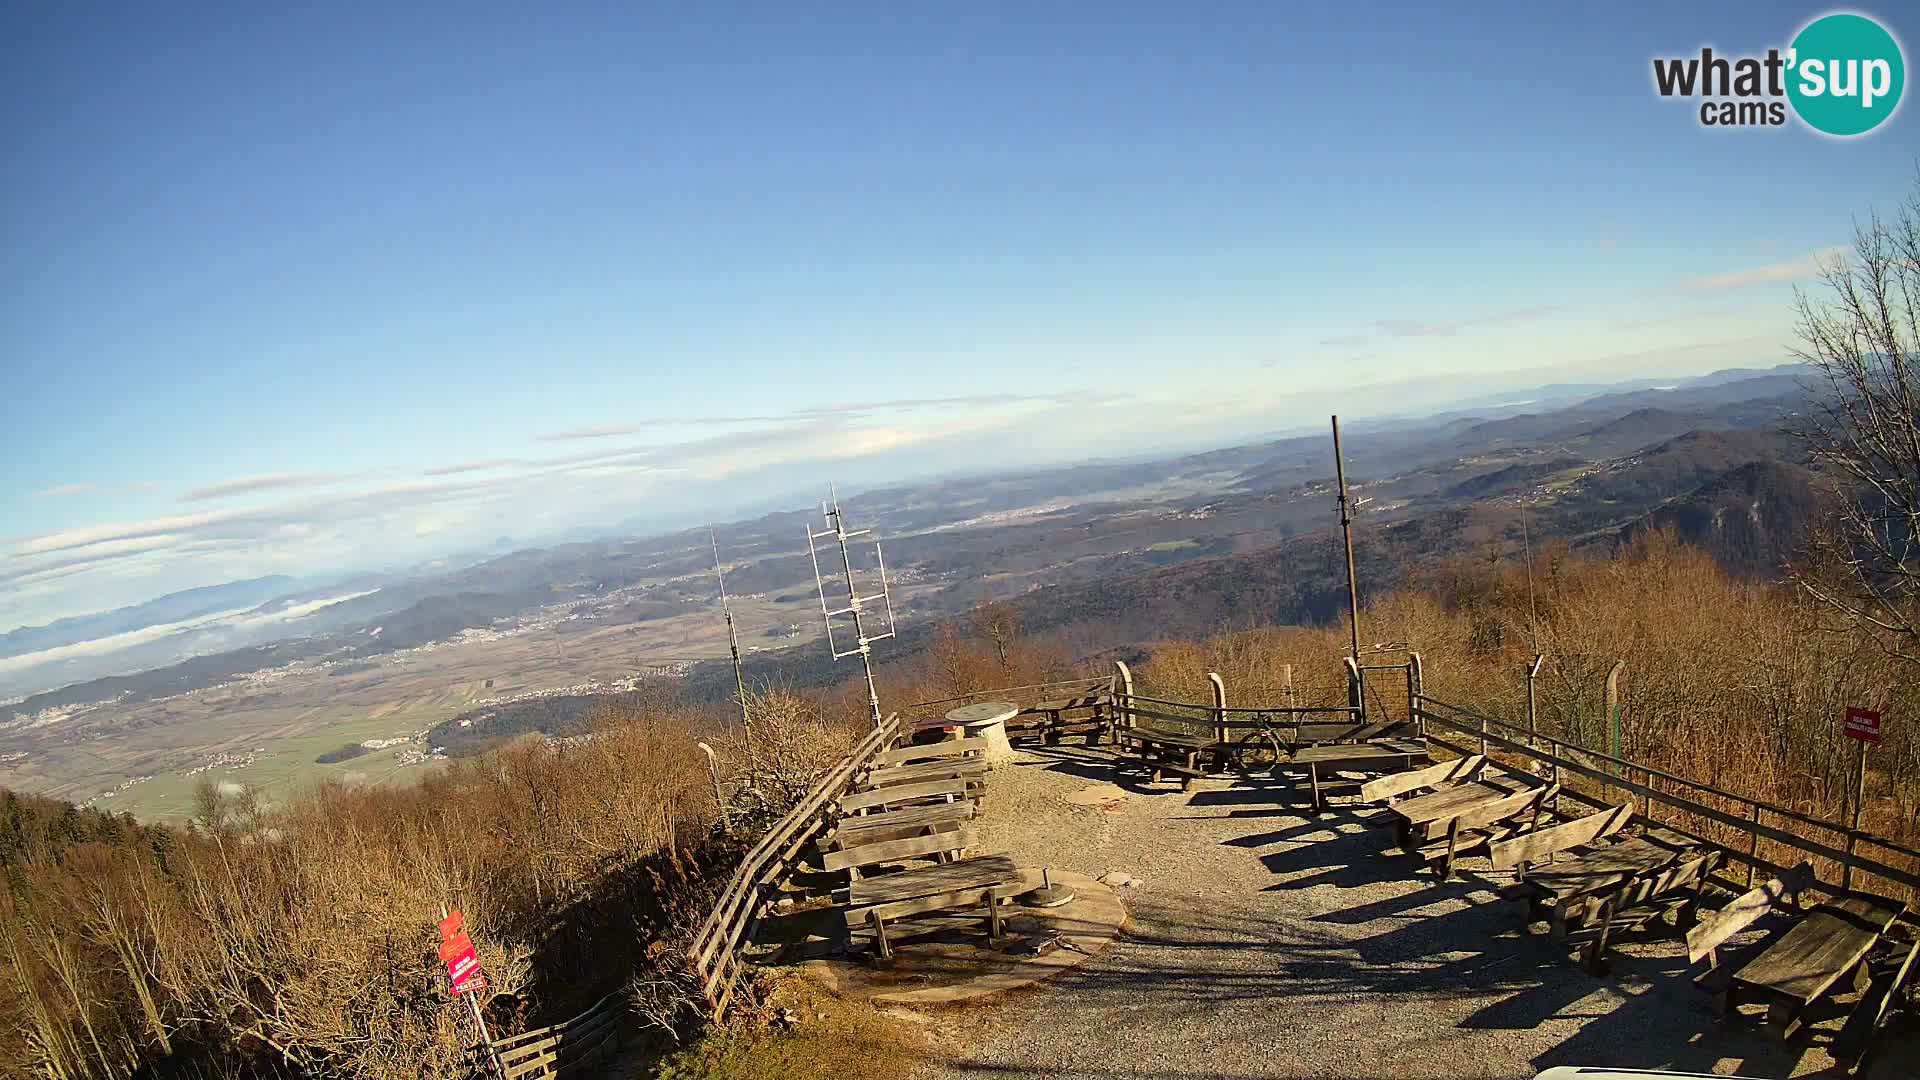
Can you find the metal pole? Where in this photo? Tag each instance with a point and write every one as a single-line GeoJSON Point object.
{"type": "Point", "coordinates": [479, 1019]}
{"type": "Point", "coordinates": [733, 645]}
{"type": "Point", "coordinates": [1346, 531]}
{"type": "Point", "coordinates": [1859, 795]}
{"type": "Point", "coordinates": [1613, 716]}
{"type": "Point", "coordinates": [1533, 700]}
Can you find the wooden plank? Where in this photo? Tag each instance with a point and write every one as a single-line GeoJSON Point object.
{"type": "Point", "coordinates": [1541, 843]}
{"type": "Point", "coordinates": [902, 793]}
{"type": "Point", "coordinates": [1499, 810]}
{"type": "Point", "coordinates": [1357, 756]}
{"type": "Point", "coordinates": [1012, 884]}
{"type": "Point", "coordinates": [1768, 832]}
{"type": "Point", "coordinates": [954, 839]}
{"type": "Point", "coordinates": [927, 751]}
{"type": "Point", "coordinates": [1444, 773]}
{"type": "Point", "coordinates": [1821, 947]}
{"type": "Point", "coordinates": [924, 770]}
{"type": "Point", "coordinates": [967, 873]}
{"type": "Point", "coordinates": [1716, 929]}
{"type": "Point", "coordinates": [895, 824]}
{"type": "Point", "coordinates": [1855, 1041]}
{"type": "Point", "coordinates": [1600, 869]}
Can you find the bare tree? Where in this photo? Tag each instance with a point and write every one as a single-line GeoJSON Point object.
{"type": "Point", "coordinates": [1860, 333]}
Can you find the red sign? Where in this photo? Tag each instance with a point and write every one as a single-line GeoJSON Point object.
{"type": "Point", "coordinates": [463, 965]}
{"type": "Point", "coordinates": [1863, 724]}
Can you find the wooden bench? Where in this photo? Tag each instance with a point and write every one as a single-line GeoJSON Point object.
{"type": "Point", "coordinates": [942, 844]}
{"type": "Point", "coordinates": [1889, 976]}
{"type": "Point", "coordinates": [1706, 938]}
{"type": "Point", "coordinates": [1468, 825]}
{"type": "Point", "coordinates": [1382, 756]}
{"type": "Point", "coordinates": [968, 767]}
{"type": "Point", "coordinates": [1641, 902]}
{"type": "Point", "coordinates": [1307, 733]}
{"type": "Point", "coordinates": [982, 881]}
{"type": "Point", "coordinates": [1167, 752]}
{"type": "Point", "coordinates": [1086, 714]}
{"type": "Point", "coordinates": [950, 748]}
{"type": "Point", "coordinates": [952, 789]}
{"type": "Point", "coordinates": [897, 824]}
{"type": "Point", "coordinates": [1800, 965]}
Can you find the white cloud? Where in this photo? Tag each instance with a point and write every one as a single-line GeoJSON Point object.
{"type": "Point", "coordinates": [249, 485]}
{"type": "Point", "coordinates": [1806, 266]}
{"type": "Point", "coordinates": [62, 491]}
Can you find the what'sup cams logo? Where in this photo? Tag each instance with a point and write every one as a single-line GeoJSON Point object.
{"type": "Point", "coordinates": [1842, 75]}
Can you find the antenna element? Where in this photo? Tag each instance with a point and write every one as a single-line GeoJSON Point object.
{"type": "Point", "coordinates": [856, 604]}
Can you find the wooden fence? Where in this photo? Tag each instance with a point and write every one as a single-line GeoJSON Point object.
{"type": "Point", "coordinates": [555, 1051]}
{"type": "Point", "coordinates": [1764, 837]}
{"type": "Point", "coordinates": [716, 948]}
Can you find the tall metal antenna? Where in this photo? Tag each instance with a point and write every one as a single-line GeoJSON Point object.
{"type": "Point", "coordinates": [1346, 529]}
{"type": "Point", "coordinates": [733, 643]}
{"type": "Point", "coordinates": [856, 603]}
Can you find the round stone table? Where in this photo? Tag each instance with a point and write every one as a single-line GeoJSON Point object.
{"type": "Point", "coordinates": [987, 720]}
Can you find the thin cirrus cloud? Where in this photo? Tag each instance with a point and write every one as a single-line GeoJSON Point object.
{"type": "Point", "coordinates": [1404, 328]}
{"type": "Point", "coordinates": [251, 485]}
{"type": "Point", "coordinates": [1806, 266]}
{"type": "Point", "coordinates": [799, 416]}
{"type": "Point", "coordinates": [62, 491]}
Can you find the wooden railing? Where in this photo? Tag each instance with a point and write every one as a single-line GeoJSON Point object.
{"type": "Point", "coordinates": [554, 1051]}
{"type": "Point", "coordinates": [1751, 832]}
{"type": "Point", "coordinates": [716, 948]}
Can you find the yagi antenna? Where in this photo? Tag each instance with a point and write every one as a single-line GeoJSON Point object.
{"type": "Point", "coordinates": [733, 643]}
{"type": "Point", "coordinates": [856, 604]}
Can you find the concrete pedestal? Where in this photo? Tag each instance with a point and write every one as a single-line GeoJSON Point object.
{"type": "Point", "coordinates": [987, 720]}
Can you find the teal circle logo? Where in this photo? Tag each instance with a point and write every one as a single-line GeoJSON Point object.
{"type": "Point", "coordinates": [1846, 74]}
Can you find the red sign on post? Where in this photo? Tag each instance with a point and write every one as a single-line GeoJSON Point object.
{"type": "Point", "coordinates": [1863, 724]}
{"type": "Point", "coordinates": [463, 964]}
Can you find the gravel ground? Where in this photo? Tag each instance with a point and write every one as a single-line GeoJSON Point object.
{"type": "Point", "coordinates": [1265, 944]}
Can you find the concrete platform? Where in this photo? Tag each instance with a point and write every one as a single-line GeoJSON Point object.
{"type": "Point", "coordinates": [946, 960]}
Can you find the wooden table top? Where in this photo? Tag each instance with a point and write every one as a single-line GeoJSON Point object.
{"type": "Point", "coordinates": [975, 873]}
{"type": "Point", "coordinates": [1385, 750]}
{"type": "Point", "coordinates": [1821, 947]}
{"type": "Point", "coordinates": [983, 712]}
{"type": "Point", "coordinates": [1452, 801]}
{"type": "Point", "coordinates": [1601, 868]}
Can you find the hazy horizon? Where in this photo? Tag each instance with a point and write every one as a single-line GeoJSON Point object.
{"type": "Point", "coordinates": [293, 293]}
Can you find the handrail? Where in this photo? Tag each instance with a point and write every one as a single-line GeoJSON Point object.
{"type": "Point", "coordinates": [1482, 726]}
{"type": "Point", "coordinates": [1771, 808]}
{"type": "Point", "coordinates": [715, 948]}
{"type": "Point", "coordinates": [1057, 684]}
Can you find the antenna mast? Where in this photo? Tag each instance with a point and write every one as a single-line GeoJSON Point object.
{"type": "Point", "coordinates": [733, 644]}
{"type": "Point", "coordinates": [1346, 530]}
{"type": "Point", "coordinates": [856, 603]}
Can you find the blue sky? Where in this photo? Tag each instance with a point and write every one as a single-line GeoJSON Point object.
{"type": "Point", "coordinates": [306, 291]}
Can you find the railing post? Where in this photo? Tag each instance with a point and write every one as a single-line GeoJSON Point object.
{"type": "Point", "coordinates": [1286, 680]}
{"type": "Point", "coordinates": [1533, 700]}
{"type": "Point", "coordinates": [1123, 707]}
{"type": "Point", "coordinates": [1613, 715]}
{"type": "Point", "coordinates": [1483, 734]}
{"type": "Point", "coordinates": [1219, 708]}
{"type": "Point", "coordinates": [1416, 688]}
{"type": "Point", "coordinates": [1753, 844]}
{"type": "Point", "coordinates": [1356, 692]}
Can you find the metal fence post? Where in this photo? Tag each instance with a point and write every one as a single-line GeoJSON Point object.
{"type": "Point", "coordinates": [1533, 701]}
{"type": "Point", "coordinates": [1416, 688]}
{"type": "Point", "coordinates": [1613, 716]}
{"type": "Point", "coordinates": [1753, 844]}
{"type": "Point", "coordinates": [1356, 691]}
{"type": "Point", "coordinates": [1219, 707]}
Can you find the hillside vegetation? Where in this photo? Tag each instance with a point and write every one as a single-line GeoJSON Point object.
{"type": "Point", "coordinates": [300, 937]}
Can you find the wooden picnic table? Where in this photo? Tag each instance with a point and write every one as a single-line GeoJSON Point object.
{"type": "Point", "coordinates": [950, 877]}
{"type": "Point", "coordinates": [1598, 870]}
{"type": "Point", "coordinates": [938, 769]}
{"type": "Point", "coordinates": [1384, 755]}
{"type": "Point", "coordinates": [898, 824]}
{"type": "Point", "coordinates": [1799, 968]}
{"type": "Point", "coordinates": [1424, 817]}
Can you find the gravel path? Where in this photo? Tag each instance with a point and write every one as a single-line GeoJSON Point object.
{"type": "Point", "coordinates": [1263, 944]}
